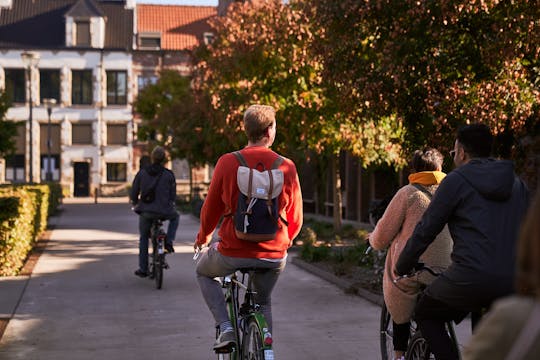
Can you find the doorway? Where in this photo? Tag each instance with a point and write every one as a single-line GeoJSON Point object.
{"type": "Point", "coordinates": [81, 179]}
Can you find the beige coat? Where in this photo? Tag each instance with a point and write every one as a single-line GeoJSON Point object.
{"type": "Point", "coordinates": [393, 231]}
{"type": "Point", "coordinates": [499, 329]}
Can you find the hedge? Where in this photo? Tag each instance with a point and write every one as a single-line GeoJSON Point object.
{"type": "Point", "coordinates": [24, 210]}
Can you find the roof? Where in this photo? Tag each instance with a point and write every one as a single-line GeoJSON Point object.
{"type": "Point", "coordinates": [181, 27]}
{"type": "Point", "coordinates": [41, 23]}
{"type": "Point", "coordinates": [85, 8]}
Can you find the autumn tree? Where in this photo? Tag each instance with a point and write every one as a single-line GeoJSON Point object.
{"type": "Point", "coordinates": [434, 65]}
{"type": "Point", "coordinates": [264, 53]}
{"type": "Point", "coordinates": [172, 117]}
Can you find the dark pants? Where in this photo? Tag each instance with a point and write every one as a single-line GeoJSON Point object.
{"type": "Point", "coordinates": [431, 316]}
{"type": "Point", "coordinates": [401, 336]}
{"type": "Point", "coordinates": [145, 225]}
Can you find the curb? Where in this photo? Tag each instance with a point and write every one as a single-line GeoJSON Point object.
{"type": "Point", "coordinates": [343, 284]}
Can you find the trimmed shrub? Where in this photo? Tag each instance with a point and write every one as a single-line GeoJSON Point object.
{"type": "Point", "coordinates": [16, 230]}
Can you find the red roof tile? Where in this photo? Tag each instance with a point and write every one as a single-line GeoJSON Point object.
{"type": "Point", "coordinates": [181, 27]}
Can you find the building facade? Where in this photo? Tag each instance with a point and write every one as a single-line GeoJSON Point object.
{"type": "Point", "coordinates": [72, 69]}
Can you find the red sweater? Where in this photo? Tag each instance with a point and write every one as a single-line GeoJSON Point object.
{"type": "Point", "coordinates": [223, 196]}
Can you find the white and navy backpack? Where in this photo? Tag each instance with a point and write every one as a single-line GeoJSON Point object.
{"type": "Point", "coordinates": [257, 212]}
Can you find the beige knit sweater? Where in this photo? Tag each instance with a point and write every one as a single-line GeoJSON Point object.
{"type": "Point", "coordinates": [393, 231]}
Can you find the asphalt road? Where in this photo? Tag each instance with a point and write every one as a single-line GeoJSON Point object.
{"type": "Point", "coordinates": [82, 300]}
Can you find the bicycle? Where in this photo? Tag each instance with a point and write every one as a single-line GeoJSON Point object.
{"type": "Point", "coordinates": [253, 337]}
{"type": "Point", "coordinates": [157, 260]}
{"type": "Point", "coordinates": [417, 348]}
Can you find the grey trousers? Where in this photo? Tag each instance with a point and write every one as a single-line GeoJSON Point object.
{"type": "Point", "coordinates": [212, 264]}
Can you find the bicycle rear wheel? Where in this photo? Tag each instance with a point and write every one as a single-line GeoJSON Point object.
{"type": "Point", "coordinates": [252, 342]}
{"type": "Point", "coordinates": [419, 348]}
{"type": "Point", "coordinates": [386, 334]}
{"type": "Point", "coordinates": [158, 269]}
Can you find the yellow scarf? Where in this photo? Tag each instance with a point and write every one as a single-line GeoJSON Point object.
{"type": "Point", "coordinates": [427, 177]}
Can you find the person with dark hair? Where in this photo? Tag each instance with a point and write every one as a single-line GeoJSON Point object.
{"type": "Point", "coordinates": [153, 195]}
{"type": "Point", "coordinates": [483, 203]}
{"type": "Point", "coordinates": [394, 229]}
{"type": "Point", "coordinates": [511, 330]}
{"type": "Point", "coordinates": [231, 252]}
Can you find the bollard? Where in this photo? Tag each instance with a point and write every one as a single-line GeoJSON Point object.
{"type": "Point", "coordinates": [95, 195]}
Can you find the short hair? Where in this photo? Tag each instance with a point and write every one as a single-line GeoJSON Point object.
{"type": "Point", "coordinates": [528, 252]}
{"type": "Point", "coordinates": [257, 119]}
{"type": "Point", "coordinates": [158, 155]}
{"type": "Point", "coordinates": [427, 159]}
{"type": "Point", "coordinates": [476, 139]}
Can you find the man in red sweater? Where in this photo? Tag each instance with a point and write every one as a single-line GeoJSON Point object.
{"type": "Point", "coordinates": [229, 253]}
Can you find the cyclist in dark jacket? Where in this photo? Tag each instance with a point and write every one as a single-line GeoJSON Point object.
{"type": "Point", "coordinates": [162, 205]}
{"type": "Point", "coordinates": [483, 203]}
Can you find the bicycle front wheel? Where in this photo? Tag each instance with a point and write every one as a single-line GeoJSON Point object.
{"type": "Point", "coordinates": [386, 334]}
{"type": "Point", "coordinates": [252, 342]}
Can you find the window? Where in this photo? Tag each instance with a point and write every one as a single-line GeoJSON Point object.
{"type": "Point", "coordinates": [150, 40]}
{"type": "Point", "coordinates": [116, 134]}
{"type": "Point", "coordinates": [15, 168]}
{"type": "Point", "coordinates": [116, 172]}
{"type": "Point", "coordinates": [55, 170]}
{"type": "Point", "coordinates": [82, 30]}
{"type": "Point", "coordinates": [15, 85]}
{"type": "Point", "coordinates": [116, 87]}
{"type": "Point", "coordinates": [49, 84]}
{"type": "Point", "coordinates": [145, 80]}
{"type": "Point", "coordinates": [15, 163]}
{"type": "Point", "coordinates": [81, 134]}
{"type": "Point", "coordinates": [208, 38]}
{"type": "Point", "coordinates": [81, 92]}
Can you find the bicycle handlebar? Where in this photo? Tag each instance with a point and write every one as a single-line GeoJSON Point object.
{"type": "Point", "coordinates": [418, 268]}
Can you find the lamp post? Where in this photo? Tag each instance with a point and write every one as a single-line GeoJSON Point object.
{"type": "Point", "coordinates": [30, 60]}
{"type": "Point", "coordinates": [49, 103]}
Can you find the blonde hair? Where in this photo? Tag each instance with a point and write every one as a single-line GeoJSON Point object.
{"type": "Point", "coordinates": [257, 119]}
{"type": "Point", "coordinates": [528, 252]}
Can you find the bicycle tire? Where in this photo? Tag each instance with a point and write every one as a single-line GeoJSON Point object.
{"type": "Point", "coordinates": [419, 348]}
{"type": "Point", "coordinates": [386, 334]}
{"type": "Point", "coordinates": [158, 268]}
{"type": "Point", "coordinates": [252, 341]}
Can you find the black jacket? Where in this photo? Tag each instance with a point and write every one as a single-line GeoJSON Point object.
{"type": "Point", "coordinates": [165, 200]}
{"type": "Point", "coordinates": [483, 202]}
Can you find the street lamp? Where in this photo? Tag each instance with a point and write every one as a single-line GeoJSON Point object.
{"type": "Point", "coordinates": [30, 60]}
{"type": "Point", "coordinates": [49, 103]}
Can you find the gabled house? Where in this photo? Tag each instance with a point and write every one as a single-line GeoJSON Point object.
{"type": "Point", "coordinates": [73, 57]}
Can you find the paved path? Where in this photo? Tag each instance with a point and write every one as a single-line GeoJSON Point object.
{"type": "Point", "coordinates": [83, 301]}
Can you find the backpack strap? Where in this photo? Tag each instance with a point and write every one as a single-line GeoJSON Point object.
{"type": "Point", "coordinates": [240, 158]}
{"type": "Point", "coordinates": [423, 189]}
{"type": "Point", "coordinates": [277, 162]}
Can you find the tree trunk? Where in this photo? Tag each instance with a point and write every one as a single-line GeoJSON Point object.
{"type": "Point", "coordinates": [336, 181]}
{"type": "Point", "coordinates": [190, 182]}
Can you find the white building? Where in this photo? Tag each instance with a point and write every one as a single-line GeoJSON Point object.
{"type": "Point", "coordinates": [82, 57]}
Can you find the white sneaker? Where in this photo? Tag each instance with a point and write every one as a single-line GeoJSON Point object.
{"type": "Point", "coordinates": [225, 340]}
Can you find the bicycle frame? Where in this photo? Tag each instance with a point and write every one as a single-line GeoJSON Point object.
{"type": "Point", "coordinates": [418, 348]}
{"type": "Point", "coordinates": [243, 317]}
